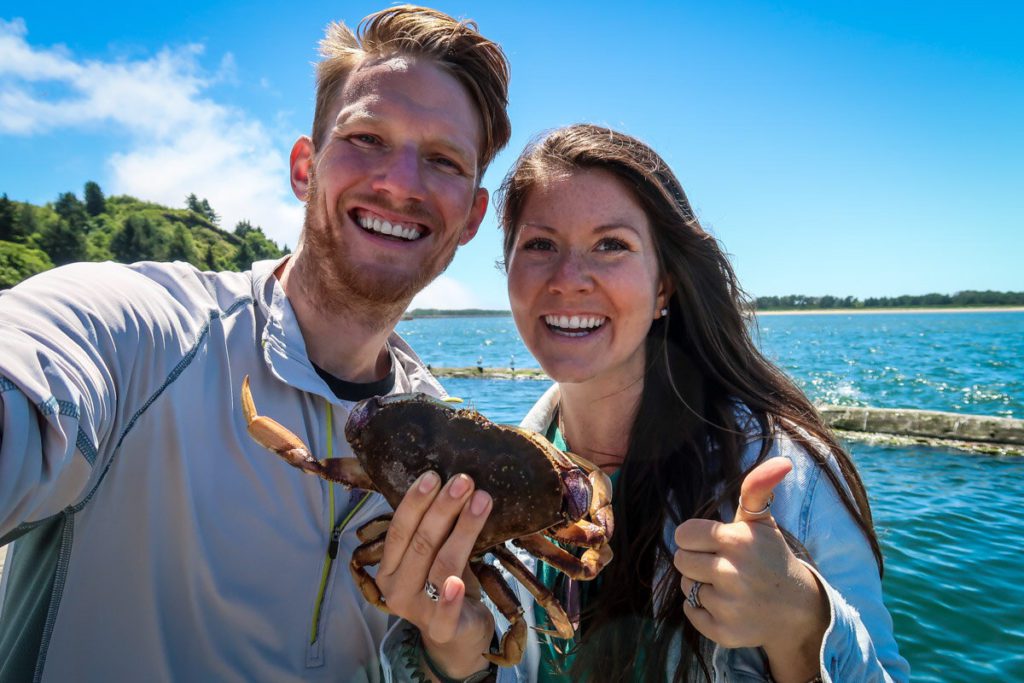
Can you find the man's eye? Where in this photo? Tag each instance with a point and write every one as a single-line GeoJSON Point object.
{"type": "Point", "coordinates": [612, 244]}
{"type": "Point", "coordinates": [448, 164]}
{"type": "Point", "coordinates": [364, 139]}
{"type": "Point", "coordinates": [538, 244]}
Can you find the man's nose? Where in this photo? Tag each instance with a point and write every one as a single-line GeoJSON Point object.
{"type": "Point", "coordinates": [572, 274]}
{"type": "Point", "coordinates": [401, 175]}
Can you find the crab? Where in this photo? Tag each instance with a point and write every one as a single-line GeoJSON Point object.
{"type": "Point", "coordinates": [539, 493]}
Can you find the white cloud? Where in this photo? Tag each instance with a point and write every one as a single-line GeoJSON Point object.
{"type": "Point", "coordinates": [177, 141]}
{"type": "Point", "coordinates": [445, 292]}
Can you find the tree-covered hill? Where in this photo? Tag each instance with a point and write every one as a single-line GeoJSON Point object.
{"type": "Point", "coordinates": [121, 228]}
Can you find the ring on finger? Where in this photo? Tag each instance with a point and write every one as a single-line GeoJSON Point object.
{"type": "Point", "coordinates": [766, 510]}
{"type": "Point", "coordinates": [431, 590]}
{"type": "Point", "coordinates": [693, 599]}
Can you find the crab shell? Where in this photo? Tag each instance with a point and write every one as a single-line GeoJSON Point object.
{"type": "Point", "coordinates": [534, 487]}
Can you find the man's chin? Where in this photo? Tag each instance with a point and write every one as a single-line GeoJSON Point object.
{"type": "Point", "coordinates": [386, 290]}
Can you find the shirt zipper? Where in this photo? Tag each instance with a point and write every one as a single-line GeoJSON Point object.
{"type": "Point", "coordinates": [335, 538]}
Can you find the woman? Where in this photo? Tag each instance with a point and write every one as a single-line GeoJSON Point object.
{"type": "Point", "coordinates": [634, 310]}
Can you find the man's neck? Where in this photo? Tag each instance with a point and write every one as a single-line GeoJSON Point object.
{"type": "Point", "coordinates": [347, 342]}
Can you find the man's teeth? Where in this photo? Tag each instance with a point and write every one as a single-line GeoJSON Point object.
{"type": "Point", "coordinates": [575, 322]}
{"type": "Point", "coordinates": [385, 228]}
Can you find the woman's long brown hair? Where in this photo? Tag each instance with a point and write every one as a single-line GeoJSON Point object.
{"type": "Point", "coordinates": [686, 445]}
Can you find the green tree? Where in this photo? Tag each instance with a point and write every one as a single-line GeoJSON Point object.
{"type": "Point", "coordinates": [136, 240]}
{"type": "Point", "coordinates": [210, 260]}
{"type": "Point", "coordinates": [202, 207]}
{"type": "Point", "coordinates": [244, 227]}
{"type": "Point", "coordinates": [181, 246]}
{"type": "Point", "coordinates": [95, 202]}
{"type": "Point", "coordinates": [69, 208]}
{"type": "Point", "coordinates": [210, 213]}
{"type": "Point", "coordinates": [192, 204]}
{"type": "Point", "coordinates": [25, 222]}
{"type": "Point", "coordinates": [255, 247]}
{"type": "Point", "coordinates": [18, 262]}
{"type": "Point", "coordinates": [62, 242]}
{"type": "Point", "coordinates": [7, 218]}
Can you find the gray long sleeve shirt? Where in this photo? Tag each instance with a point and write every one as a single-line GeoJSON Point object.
{"type": "Point", "coordinates": [155, 540]}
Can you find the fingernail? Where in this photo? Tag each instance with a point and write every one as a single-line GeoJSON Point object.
{"type": "Point", "coordinates": [479, 503]}
{"type": "Point", "coordinates": [459, 485]}
{"type": "Point", "coordinates": [428, 482]}
{"type": "Point", "coordinates": [450, 591]}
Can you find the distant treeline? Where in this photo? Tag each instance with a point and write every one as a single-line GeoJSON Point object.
{"type": "Point", "coordinates": [966, 299]}
{"type": "Point", "coordinates": [461, 313]}
{"type": "Point", "coordinates": [121, 228]}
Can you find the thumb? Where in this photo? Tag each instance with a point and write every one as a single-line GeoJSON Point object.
{"type": "Point", "coordinates": [756, 489]}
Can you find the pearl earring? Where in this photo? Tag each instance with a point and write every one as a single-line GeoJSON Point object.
{"type": "Point", "coordinates": [663, 312]}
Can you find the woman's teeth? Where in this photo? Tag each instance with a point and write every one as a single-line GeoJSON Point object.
{"type": "Point", "coordinates": [383, 227]}
{"type": "Point", "coordinates": [576, 325]}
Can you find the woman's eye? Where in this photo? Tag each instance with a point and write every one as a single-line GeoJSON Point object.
{"type": "Point", "coordinates": [612, 244]}
{"type": "Point", "coordinates": [538, 244]}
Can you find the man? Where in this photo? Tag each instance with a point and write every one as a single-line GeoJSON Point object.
{"type": "Point", "coordinates": [153, 539]}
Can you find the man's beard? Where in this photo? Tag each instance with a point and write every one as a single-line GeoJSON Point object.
{"type": "Point", "coordinates": [336, 285]}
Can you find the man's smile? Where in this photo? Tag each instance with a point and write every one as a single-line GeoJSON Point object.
{"type": "Point", "coordinates": [371, 222]}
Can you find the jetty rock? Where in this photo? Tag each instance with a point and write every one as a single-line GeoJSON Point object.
{"type": "Point", "coordinates": [926, 423]}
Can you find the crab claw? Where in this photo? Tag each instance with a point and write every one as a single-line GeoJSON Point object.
{"type": "Point", "coordinates": [275, 437]}
{"type": "Point", "coordinates": [272, 435]}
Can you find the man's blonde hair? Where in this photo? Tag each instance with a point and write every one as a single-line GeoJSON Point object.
{"type": "Point", "coordinates": [455, 46]}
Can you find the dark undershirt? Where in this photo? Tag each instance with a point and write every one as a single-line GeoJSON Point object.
{"type": "Point", "coordinates": [357, 391]}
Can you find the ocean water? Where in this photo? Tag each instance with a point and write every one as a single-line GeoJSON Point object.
{"type": "Point", "coordinates": [950, 523]}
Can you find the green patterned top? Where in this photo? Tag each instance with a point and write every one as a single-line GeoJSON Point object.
{"type": "Point", "coordinates": [556, 654]}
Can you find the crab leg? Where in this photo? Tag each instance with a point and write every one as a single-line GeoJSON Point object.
{"type": "Point", "coordinates": [513, 642]}
{"type": "Point", "coordinates": [581, 533]}
{"type": "Point", "coordinates": [274, 436]}
{"type": "Point", "coordinates": [375, 528]}
{"type": "Point", "coordinates": [544, 597]}
{"type": "Point", "coordinates": [583, 568]}
{"type": "Point", "coordinates": [368, 554]}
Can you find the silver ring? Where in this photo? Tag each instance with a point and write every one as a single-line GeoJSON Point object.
{"type": "Point", "coordinates": [431, 591]}
{"type": "Point", "coordinates": [766, 510]}
{"type": "Point", "coordinates": [694, 597]}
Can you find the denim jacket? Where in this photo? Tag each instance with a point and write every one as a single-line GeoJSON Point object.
{"type": "Point", "coordinates": [859, 645]}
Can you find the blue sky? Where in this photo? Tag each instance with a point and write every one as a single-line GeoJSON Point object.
{"type": "Point", "coordinates": [863, 149]}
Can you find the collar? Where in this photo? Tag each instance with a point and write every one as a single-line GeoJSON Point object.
{"type": "Point", "coordinates": [284, 348]}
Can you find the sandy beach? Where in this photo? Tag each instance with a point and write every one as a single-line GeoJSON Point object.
{"type": "Point", "coordinates": [865, 311]}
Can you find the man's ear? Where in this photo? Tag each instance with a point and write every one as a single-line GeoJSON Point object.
{"type": "Point", "coordinates": [476, 216]}
{"type": "Point", "coordinates": [300, 163]}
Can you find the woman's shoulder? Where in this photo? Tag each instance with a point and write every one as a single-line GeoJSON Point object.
{"type": "Point", "coordinates": [807, 485]}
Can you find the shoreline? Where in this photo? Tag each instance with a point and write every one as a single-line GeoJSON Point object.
{"type": "Point", "coordinates": [866, 311]}
{"type": "Point", "coordinates": [790, 311]}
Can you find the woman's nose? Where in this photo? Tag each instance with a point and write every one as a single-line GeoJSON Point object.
{"type": "Point", "coordinates": [571, 274]}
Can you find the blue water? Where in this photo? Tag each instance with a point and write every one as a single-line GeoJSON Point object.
{"type": "Point", "coordinates": [950, 523]}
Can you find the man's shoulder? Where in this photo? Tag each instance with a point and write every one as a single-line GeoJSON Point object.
{"type": "Point", "coordinates": [186, 283]}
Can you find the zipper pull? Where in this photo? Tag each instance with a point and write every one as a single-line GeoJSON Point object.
{"type": "Point", "coordinates": [332, 547]}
